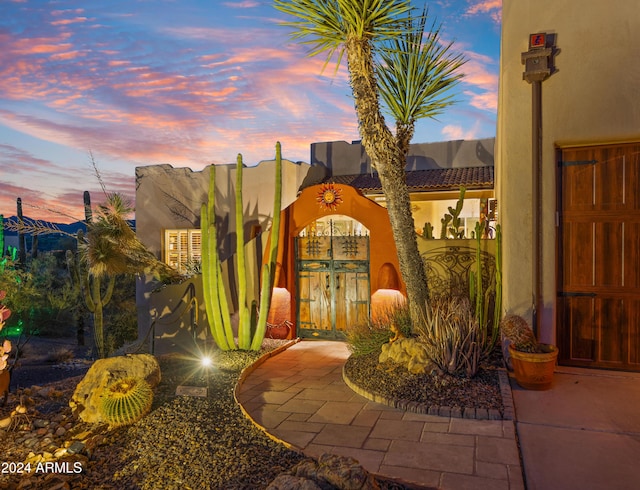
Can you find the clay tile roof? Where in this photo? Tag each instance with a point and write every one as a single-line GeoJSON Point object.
{"type": "Point", "coordinates": [425, 180]}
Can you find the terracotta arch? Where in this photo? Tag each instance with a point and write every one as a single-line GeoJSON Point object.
{"type": "Point", "coordinates": [307, 208]}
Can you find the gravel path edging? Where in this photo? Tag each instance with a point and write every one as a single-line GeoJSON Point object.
{"type": "Point", "coordinates": [461, 413]}
{"type": "Point", "coordinates": [246, 372]}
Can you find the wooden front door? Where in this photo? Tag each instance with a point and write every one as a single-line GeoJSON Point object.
{"type": "Point", "coordinates": [599, 257]}
{"type": "Point", "coordinates": [333, 289]}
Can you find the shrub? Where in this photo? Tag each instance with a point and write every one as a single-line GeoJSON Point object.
{"type": "Point", "coordinates": [59, 355]}
{"type": "Point", "coordinates": [452, 336]}
{"type": "Point", "coordinates": [368, 337]}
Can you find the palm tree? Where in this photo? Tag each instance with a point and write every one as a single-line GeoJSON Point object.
{"type": "Point", "coordinates": [387, 56]}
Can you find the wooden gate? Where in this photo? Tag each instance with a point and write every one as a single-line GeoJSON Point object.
{"type": "Point", "coordinates": [333, 284]}
{"type": "Point", "coordinates": [599, 257]}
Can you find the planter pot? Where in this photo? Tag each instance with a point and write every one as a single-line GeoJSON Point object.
{"type": "Point", "coordinates": [278, 331]}
{"type": "Point", "coordinates": [534, 371]}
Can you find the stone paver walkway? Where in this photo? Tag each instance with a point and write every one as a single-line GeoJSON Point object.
{"type": "Point", "coordinates": [299, 397]}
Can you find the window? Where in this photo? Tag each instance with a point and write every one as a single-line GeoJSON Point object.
{"type": "Point", "coordinates": [183, 249]}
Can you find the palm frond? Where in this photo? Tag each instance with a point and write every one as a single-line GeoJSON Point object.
{"type": "Point", "coordinates": [325, 25]}
{"type": "Point", "coordinates": [416, 72]}
{"type": "Point", "coordinates": [112, 247]}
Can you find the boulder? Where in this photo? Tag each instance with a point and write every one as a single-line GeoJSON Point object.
{"type": "Point", "coordinates": [408, 352]}
{"type": "Point", "coordinates": [85, 402]}
{"type": "Point", "coordinates": [290, 482]}
{"type": "Point", "coordinates": [329, 471]}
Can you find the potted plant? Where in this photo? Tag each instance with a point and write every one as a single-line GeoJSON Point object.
{"type": "Point", "coordinates": [533, 362]}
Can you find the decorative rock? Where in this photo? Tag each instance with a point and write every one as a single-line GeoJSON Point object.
{"type": "Point", "coordinates": [43, 392]}
{"type": "Point", "coordinates": [339, 472]}
{"type": "Point", "coordinates": [290, 482]}
{"type": "Point", "coordinates": [409, 352]}
{"type": "Point", "coordinates": [60, 452]}
{"type": "Point", "coordinates": [76, 447]}
{"type": "Point", "coordinates": [86, 399]}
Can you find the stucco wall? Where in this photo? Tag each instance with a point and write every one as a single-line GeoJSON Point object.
{"type": "Point", "coordinates": [593, 98]}
{"type": "Point", "coordinates": [168, 197]}
{"type": "Point", "coordinates": [342, 158]}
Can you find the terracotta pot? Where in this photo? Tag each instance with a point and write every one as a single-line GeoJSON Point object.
{"type": "Point", "coordinates": [277, 331]}
{"type": "Point", "coordinates": [534, 371]}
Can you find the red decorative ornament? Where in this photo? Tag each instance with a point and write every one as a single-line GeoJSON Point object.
{"type": "Point", "coordinates": [329, 196]}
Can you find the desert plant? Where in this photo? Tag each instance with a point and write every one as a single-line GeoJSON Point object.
{"type": "Point", "coordinates": [126, 401]}
{"type": "Point", "coordinates": [365, 338]}
{"type": "Point", "coordinates": [390, 59]}
{"type": "Point", "coordinates": [519, 333]}
{"type": "Point", "coordinates": [427, 231]}
{"type": "Point", "coordinates": [215, 296]}
{"type": "Point", "coordinates": [452, 335]}
{"type": "Point", "coordinates": [60, 355]}
{"type": "Point", "coordinates": [451, 221]}
{"type": "Point", "coordinates": [482, 296]}
{"type": "Point", "coordinates": [5, 347]}
{"type": "Point", "coordinates": [368, 337]}
{"type": "Point", "coordinates": [22, 244]}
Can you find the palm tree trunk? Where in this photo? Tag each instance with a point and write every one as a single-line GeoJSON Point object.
{"type": "Point", "coordinates": [390, 162]}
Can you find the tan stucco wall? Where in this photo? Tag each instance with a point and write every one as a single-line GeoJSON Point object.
{"type": "Point", "coordinates": [593, 98]}
{"type": "Point", "coordinates": [168, 197]}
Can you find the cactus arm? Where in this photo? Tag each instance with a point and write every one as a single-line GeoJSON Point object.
{"type": "Point", "coordinates": [224, 310]}
{"type": "Point", "coordinates": [497, 312]}
{"type": "Point", "coordinates": [244, 323]}
{"type": "Point", "coordinates": [445, 224]}
{"type": "Point", "coordinates": [210, 265]}
{"type": "Point", "coordinates": [478, 287]}
{"type": "Point", "coordinates": [268, 270]}
{"type": "Point", "coordinates": [109, 292]}
{"type": "Point", "coordinates": [206, 281]}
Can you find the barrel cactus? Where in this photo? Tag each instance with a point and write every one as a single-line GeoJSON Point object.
{"type": "Point", "coordinates": [126, 401]}
{"type": "Point", "coordinates": [517, 330]}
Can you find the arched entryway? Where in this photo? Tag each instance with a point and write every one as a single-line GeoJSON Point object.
{"type": "Point", "coordinates": [334, 242]}
{"type": "Point", "coordinates": [332, 277]}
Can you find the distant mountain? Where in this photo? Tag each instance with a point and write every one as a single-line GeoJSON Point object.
{"type": "Point", "coordinates": [64, 228]}
{"type": "Point", "coordinates": [52, 241]}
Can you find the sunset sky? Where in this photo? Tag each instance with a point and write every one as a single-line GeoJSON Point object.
{"type": "Point", "coordinates": [188, 83]}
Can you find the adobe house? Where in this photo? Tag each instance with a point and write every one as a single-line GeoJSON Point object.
{"type": "Point", "coordinates": [337, 262]}
{"type": "Point", "coordinates": [568, 175]}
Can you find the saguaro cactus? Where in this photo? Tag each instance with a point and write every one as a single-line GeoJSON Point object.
{"type": "Point", "coordinates": [96, 296]}
{"type": "Point", "coordinates": [22, 245]}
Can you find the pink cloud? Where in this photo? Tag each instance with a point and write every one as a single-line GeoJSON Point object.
{"type": "Point", "coordinates": [75, 20]}
{"type": "Point", "coordinates": [242, 5]}
{"type": "Point", "coordinates": [479, 78]}
{"type": "Point", "coordinates": [491, 7]}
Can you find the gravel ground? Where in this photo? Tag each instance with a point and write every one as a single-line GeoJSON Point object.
{"type": "Point", "coordinates": [393, 382]}
{"type": "Point", "coordinates": [184, 443]}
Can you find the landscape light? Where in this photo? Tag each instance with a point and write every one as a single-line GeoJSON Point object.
{"type": "Point", "coordinates": [206, 361]}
